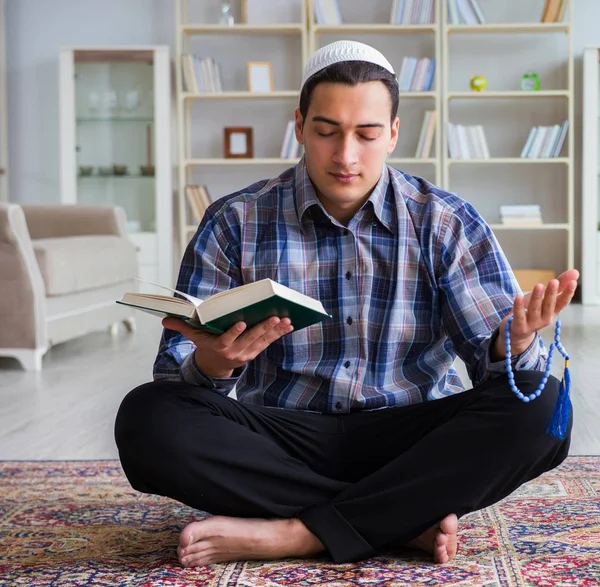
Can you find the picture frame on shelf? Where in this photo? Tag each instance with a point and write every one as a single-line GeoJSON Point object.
{"type": "Point", "coordinates": [260, 76]}
{"type": "Point", "coordinates": [238, 142]}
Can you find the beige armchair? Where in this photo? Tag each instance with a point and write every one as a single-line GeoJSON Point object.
{"type": "Point", "coordinates": [61, 269]}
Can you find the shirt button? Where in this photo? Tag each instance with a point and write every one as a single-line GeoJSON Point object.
{"type": "Point", "coordinates": [348, 275]}
{"type": "Point", "coordinates": [349, 320]}
{"type": "Point", "coordinates": [347, 364]}
{"type": "Point", "coordinates": [338, 406]}
{"type": "Point", "coordinates": [346, 232]}
{"type": "Point", "coordinates": [374, 223]}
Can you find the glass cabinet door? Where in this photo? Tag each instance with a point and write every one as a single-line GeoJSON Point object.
{"type": "Point", "coordinates": [114, 118]}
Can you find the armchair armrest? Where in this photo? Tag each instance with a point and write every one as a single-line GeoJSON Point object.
{"type": "Point", "coordinates": [58, 220]}
{"type": "Point", "coordinates": [22, 290]}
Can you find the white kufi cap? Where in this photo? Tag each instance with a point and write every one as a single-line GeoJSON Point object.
{"type": "Point", "coordinates": [340, 51]}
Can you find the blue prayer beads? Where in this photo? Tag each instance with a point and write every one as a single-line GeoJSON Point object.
{"type": "Point", "coordinates": [511, 378]}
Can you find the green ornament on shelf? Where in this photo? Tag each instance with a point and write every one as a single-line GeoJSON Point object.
{"type": "Point", "coordinates": [530, 82]}
{"type": "Point", "coordinates": [478, 83]}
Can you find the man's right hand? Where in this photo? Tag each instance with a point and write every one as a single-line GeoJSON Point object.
{"type": "Point", "coordinates": [217, 355]}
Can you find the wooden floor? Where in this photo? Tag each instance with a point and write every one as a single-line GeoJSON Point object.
{"type": "Point", "coordinates": [67, 410]}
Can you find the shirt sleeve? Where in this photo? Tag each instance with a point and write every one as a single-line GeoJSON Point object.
{"type": "Point", "coordinates": [209, 266]}
{"type": "Point", "coordinates": [477, 290]}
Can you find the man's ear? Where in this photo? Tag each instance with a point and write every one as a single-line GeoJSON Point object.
{"type": "Point", "coordinates": [394, 135]}
{"type": "Point", "coordinates": [298, 128]}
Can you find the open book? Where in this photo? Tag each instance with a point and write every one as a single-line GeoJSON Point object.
{"type": "Point", "coordinates": [250, 303]}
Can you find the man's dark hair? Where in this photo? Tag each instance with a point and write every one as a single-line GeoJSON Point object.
{"type": "Point", "coordinates": [351, 73]}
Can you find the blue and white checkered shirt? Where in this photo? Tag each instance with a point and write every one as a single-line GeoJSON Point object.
{"type": "Point", "coordinates": [416, 278]}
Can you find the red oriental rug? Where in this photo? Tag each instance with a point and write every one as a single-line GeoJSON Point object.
{"type": "Point", "coordinates": [80, 523]}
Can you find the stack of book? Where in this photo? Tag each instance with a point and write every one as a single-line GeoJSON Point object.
{"type": "Point", "coordinates": [198, 200]}
{"type": "Point", "coordinates": [521, 214]}
{"type": "Point", "coordinates": [290, 148]}
{"type": "Point", "coordinates": [413, 12]}
{"type": "Point", "coordinates": [467, 142]}
{"type": "Point", "coordinates": [416, 75]}
{"type": "Point", "coordinates": [426, 136]}
{"type": "Point", "coordinates": [327, 12]}
{"type": "Point", "coordinates": [465, 12]}
{"type": "Point", "coordinates": [554, 10]}
{"type": "Point", "coordinates": [544, 142]}
{"type": "Point", "coordinates": [201, 75]}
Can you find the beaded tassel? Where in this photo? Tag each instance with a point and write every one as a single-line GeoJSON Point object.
{"type": "Point", "coordinates": [562, 411]}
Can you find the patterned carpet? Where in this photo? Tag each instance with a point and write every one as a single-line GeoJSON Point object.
{"type": "Point", "coordinates": [79, 523]}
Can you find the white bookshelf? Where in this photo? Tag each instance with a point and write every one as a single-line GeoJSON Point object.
{"type": "Point", "coordinates": [392, 29]}
{"type": "Point", "coordinates": [233, 162]}
{"type": "Point", "coordinates": [547, 181]}
{"type": "Point", "coordinates": [3, 113]}
{"type": "Point", "coordinates": [520, 27]}
{"type": "Point", "coordinates": [240, 95]}
{"type": "Point", "coordinates": [502, 51]}
{"type": "Point", "coordinates": [485, 95]}
{"type": "Point", "coordinates": [201, 164]}
{"type": "Point", "coordinates": [240, 29]}
{"type": "Point", "coordinates": [590, 204]}
{"type": "Point", "coordinates": [197, 33]}
{"type": "Point", "coordinates": [510, 161]}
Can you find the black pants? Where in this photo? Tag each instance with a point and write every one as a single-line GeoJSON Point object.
{"type": "Point", "coordinates": [361, 482]}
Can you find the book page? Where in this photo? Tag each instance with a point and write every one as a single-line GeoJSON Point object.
{"type": "Point", "coordinates": [161, 298]}
{"type": "Point", "coordinates": [188, 297]}
{"type": "Point", "coordinates": [234, 290]}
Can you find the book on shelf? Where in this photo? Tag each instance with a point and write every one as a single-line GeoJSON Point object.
{"type": "Point", "coordinates": [465, 12]}
{"type": "Point", "coordinates": [198, 200]}
{"type": "Point", "coordinates": [426, 136]}
{"type": "Point", "coordinates": [554, 11]}
{"type": "Point", "coordinates": [467, 142]}
{"type": "Point", "coordinates": [201, 75]}
{"type": "Point", "coordinates": [416, 75]}
{"type": "Point", "coordinates": [545, 142]}
{"type": "Point", "coordinates": [327, 12]}
{"type": "Point", "coordinates": [251, 303]}
{"type": "Point", "coordinates": [290, 148]}
{"type": "Point", "coordinates": [521, 214]}
{"type": "Point", "coordinates": [413, 12]}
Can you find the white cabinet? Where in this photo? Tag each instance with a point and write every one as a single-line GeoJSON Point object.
{"type": "Point", "coordinates": [115, 142]}
{"type": "Point", "coordinates": [590, 208]}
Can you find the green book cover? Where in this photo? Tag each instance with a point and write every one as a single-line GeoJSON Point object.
{"type": "Point", "coordinates": [250, 303]}
{"type": "Point", "coordinates": [300, 315]}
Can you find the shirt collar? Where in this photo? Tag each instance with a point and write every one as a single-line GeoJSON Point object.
{"type": "Point", "coordinates": [381, 199]}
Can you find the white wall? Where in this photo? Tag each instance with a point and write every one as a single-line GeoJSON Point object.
{"type": "Point", "coordinates": [37, 28]}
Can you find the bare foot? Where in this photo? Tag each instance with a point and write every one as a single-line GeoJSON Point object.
{"type": "Point", "coordinates": [219, 538]}
{"type": "Point", "coordinates": [440, 540]}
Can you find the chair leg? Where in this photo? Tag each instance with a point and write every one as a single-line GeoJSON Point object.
{"type": "Point", "coordinates": [129, 324]}
{"type": "Point", "coordinates": [30, 359]}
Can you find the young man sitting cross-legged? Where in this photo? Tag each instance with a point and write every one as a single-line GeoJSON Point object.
{"type": "Point", "coordinates": [355, 435]}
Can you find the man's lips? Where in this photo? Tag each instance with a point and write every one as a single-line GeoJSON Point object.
{"type": "Point", "coordinates": [345, 176]}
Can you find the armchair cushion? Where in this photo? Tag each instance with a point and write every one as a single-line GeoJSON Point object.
{"type": "Point", "coordinates": [80, 263]}
{"type": "Point", "coordinates": [61, 269]}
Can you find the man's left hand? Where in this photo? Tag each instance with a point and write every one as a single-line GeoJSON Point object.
{"type": "Point", "coordinates": [536, 310]}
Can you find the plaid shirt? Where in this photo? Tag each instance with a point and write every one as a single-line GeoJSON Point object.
{"type": "Point", "coordinates": [416, 278]}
